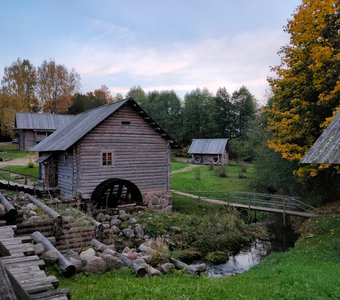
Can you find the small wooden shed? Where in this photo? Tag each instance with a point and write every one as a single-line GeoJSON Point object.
{"type": "Point", "coordinates": [112, 154]}
{"type": "Point", "coordinates": [32, 128]}
{"type": "Point", "coordinates": [209, 151]}
{"type": "Point", "coordinates": [326, 149]}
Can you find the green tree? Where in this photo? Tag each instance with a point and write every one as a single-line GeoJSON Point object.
{"type": "Point", "coordinates": [244, 110]}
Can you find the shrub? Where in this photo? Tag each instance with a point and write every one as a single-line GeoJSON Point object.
{"type": "Point", "coordinates": [30, 164]}
{"type": "Point", "coordinates": [217, 257]}
{"type": "Point", "coordinates": [221, 171]}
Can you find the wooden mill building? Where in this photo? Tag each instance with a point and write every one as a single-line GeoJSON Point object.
{"type": "Point", "coordinates": [209, 151]}
{"type": "Point", "coordinates": [32, 128]}
{"type": "Point", "coordinates": [111, 154]}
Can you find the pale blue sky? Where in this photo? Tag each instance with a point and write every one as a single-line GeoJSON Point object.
{"type": "Point", "coordinates": [177, 45]}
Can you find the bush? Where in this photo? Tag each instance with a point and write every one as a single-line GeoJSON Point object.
{"type": "Point", "coordinates": [217, 257]}
{"type": "Point", "coordinates": [30, 164]}
{"type": "Point", "coordinates": [221, 171]}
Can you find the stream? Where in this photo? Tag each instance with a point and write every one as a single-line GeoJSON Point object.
{"type": "Point", "coordinates": [282, 238]}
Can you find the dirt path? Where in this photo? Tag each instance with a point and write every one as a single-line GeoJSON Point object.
{"type": "Point", "coordinates": [23, 161]}
{"type": "Point", "coordinates": [186, 169]}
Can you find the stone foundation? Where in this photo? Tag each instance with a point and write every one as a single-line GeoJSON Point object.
{"type": "Point", "coordinates": [158, 200]}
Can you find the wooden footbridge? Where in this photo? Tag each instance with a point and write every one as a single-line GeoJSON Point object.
{"type": "Point", "coordinates": [285, 205]}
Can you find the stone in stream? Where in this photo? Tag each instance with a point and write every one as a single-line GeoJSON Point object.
{"type": "Point", "coordinates": [39, 249]}
{"type": "Point", "coordinates": [96, 265]}
{"type": "Point", "coordinates": [50, 257]}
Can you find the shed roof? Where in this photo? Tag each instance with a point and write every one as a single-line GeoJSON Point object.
{"type": "Point", "coordinates": [83, 123]}
{"type": "Point", "coordinates": [40, 121]}
{"type": "Point", "coordinates": [326, 149]}
{"type": "Point", "coordinates": [208, 146]}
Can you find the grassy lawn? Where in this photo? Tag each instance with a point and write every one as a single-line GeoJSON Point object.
{"type": "Point", "coordinates": [24, 170]}
{"type": "Point", "coordinates": [178, 165]}
{"type": "Point", "coordinates": [210, 183]}
{"type": "Point", "coordinates": [309, 271]}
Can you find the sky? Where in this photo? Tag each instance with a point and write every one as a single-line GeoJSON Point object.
{"type": "Point", "coordinates": [156, 44]}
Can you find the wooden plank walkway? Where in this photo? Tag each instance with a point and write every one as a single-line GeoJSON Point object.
{"type": "Point", "coordinates": [25, 268]}
{"type": "Point", "coordinates": [246, 206]}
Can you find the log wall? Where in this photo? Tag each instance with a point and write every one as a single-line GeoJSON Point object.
{"type": "Point", "coordinates": [65, 172]}
{"type": "Point", "coordinates": [140, 154]}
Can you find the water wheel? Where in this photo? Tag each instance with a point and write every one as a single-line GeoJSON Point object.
{"type": "Point", "coordinates": [114, 192]}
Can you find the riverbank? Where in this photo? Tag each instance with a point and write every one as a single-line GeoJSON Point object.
{"type": "Point", "coordinates": [309, 271]}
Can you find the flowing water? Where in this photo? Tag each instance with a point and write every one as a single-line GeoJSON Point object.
{"type": "Point", "coordinates": [283, 238]}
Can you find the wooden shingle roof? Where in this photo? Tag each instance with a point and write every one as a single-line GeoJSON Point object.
{"type": "Point", "coordinates": [40, 121]}
{"type": "Point", "coordinates": [83, 123]}
{"type": "Point", "coordinates": [208, 146]}
{"type": "Point", "coordinates": [326, 149]}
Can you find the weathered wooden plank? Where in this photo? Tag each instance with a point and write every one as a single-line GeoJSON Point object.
{"type": "Point", "coordinates": [53, 294]}
{"type": "Point", "coordinates": [6, 289]}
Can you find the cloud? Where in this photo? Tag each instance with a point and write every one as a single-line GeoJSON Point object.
{"type": "Point", "coordinates": [230, 61]}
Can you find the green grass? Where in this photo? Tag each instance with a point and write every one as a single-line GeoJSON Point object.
{"type": "Point", "coordinates": [210, 184]}
{"type": "Point", "coordinates": [13, 153]}
{"type": "Point", "coordinates": [178, 165]}
{"type": "Point", "coordinates": [24, 170]}
{"type": "Point", "coordinates": [309, 271]}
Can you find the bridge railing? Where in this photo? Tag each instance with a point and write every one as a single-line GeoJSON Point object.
{"type": "Point", "coordinates": [271, 200]}
{"type": "Point", "coordinates": [283, 202]}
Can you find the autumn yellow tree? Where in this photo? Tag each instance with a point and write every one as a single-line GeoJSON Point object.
{"type": "Point", "coordinates": [306, 86]}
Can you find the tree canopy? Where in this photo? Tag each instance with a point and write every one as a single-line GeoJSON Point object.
{"type": "Point", "coordinates": [306, 87]}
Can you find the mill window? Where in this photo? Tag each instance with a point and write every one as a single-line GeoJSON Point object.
{"type": "Point", "coordinates": [107, 158]}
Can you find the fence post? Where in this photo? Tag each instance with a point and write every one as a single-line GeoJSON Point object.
{"type": "Point", "coordinates": [284, 211]}
{"type": "Point", "coordinates": [25, 179]}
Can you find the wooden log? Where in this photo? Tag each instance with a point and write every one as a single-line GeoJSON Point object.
{"type": "Point", "coordinates": [146, 249]}
{"type": "Point", "coordinates": [98, 246]}
{"type": "Point", "coordinates": [140, 270]}
{"type": "Point", "coordinates": [10, 209]}
{"type": "Point", "coordinates": [6, 289]}
{"type": "Point", "coordinates": [44, 207]}
{"type": "Point", "coordinates": [183, 266]}
{"type": "Point", "coordinates": [67, 268]}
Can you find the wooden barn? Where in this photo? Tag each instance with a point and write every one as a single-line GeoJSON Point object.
{"type": "Point", "coordinates": [326, 149]}
{"type": "Point", "coordinates": [209, 151]}
{"type": "Point", "coordinates": [32, 128]}
{"type": "Point", "coordinates": [112, 154]}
